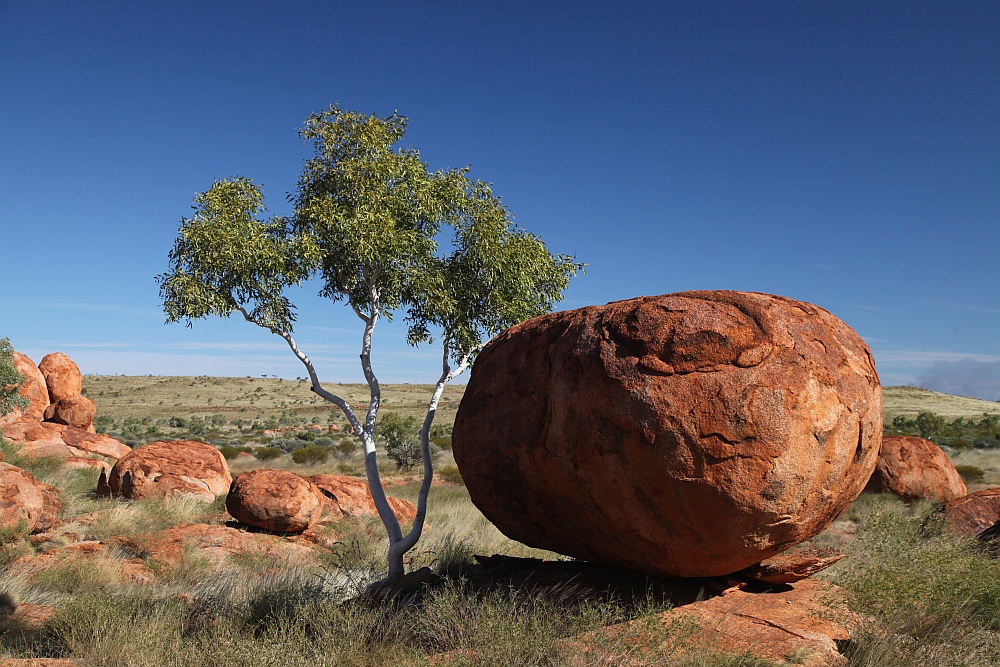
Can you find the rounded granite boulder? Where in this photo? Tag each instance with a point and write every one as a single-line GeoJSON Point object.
{"type": "Point", "coordinates": [690, 434]}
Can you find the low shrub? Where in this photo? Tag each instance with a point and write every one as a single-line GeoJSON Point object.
{"type": "Point", "coordinates": [450, 474]}
{"type": "Point", "coordinates": [267, 453]}
{"type": "Point", "coordinates": [971, 474]}
{"type": "Point", "coordinates": [310, 455]}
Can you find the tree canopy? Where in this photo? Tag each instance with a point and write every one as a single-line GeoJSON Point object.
{"type": "Point", "coordinates": [382, 232]}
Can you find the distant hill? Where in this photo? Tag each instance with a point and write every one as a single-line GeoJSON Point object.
{"type": "Point", "coordinates": [908, 401]}
{"type": "Point", "coordinates": [160, 397]}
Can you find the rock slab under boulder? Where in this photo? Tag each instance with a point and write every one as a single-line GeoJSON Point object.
{"type": "Point", "coordinates": [169, 468]}
{"type": "Point", "coordinates": [691, 434]}
{"type": "Point", "coordinates": [914, 469]}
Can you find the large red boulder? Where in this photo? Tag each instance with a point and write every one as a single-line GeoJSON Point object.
{"type": "Point", "coordinates": [914, 469]}
{"type": "Point", "coordinates": [76, 411]}
{"type": "Point", "coordinates": [23, 498]}
{"type": "Point", "coordinates": [34, 389]}
{"type": "Point", "coordinates": [37, 439]}
{"type": "Point", "coordinates": [353, 497]}
{"type": "Point", "coordinates": [169, 468]}
{"type": "Point", "coordinates": [62, 376]}
{"type": "Point", "coordinates": [691, 434]}
{"type": "Point", "coordinates": [970, 515]}
{"type": "Point", "coordinates": [275, 500]}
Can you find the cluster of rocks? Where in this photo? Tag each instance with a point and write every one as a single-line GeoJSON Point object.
{"type": "Point", "coordinates": [58, 421]}
{"type": "Point", "coordinates": [273, 500]}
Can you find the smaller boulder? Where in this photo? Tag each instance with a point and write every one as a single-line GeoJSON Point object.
{"type": "Point", "coordinates": [23, 498]}
{"type": "Point", "coordinates": [275, 500]}
{"type": "Point", "coordinates": [914, 469]}
{"type": "Point", "coordinates": [34, 389]}
{"type": "Point", "coordinates": [76, 411]}
{"type": "Point", "coordinates": [971, 515]}
{"type": "Point", "coordinates": [787, 568]}
{"type": "Point", "coordinates": [353, 497]}
{"type": "Point", "coordinates": [62, 376]}
{"type": "Point", "coordinates": [169, 468]}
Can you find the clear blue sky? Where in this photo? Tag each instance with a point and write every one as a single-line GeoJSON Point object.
{"type": "Point", "coordinates": [846, 154]}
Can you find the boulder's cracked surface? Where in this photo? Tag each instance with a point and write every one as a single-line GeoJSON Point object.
{"type": "Point", "coordinates": [691, 434]}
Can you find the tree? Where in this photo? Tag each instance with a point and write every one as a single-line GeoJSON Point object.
{"type": "Point", "coordinates": [929, 424]}
{"type": "Point", "coordinates": [367, 222]}
{"type": "Point", "coordinates": [402, 439]}
{"type": "Point", "coordinates": [10, 381]}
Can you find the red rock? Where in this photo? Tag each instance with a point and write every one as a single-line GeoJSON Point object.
{"type": "Point", "coordinates": [215, 543]}
{"type": "Point", "coordinates": [76, 411]}
{"type": "Point", "coordinates": [91, 552]}
{"type": "Point", "coordinates": [914, 469]}
{"type": "Point", "coordinates": [807, 619]}
{"type": "Point", "coordinates": [691, 434]}
{"type": "Point", "coordinates": [970, 515]}
{"type": "Point", "coordinates": [355, 499]}
{"type": "Point", "coordinates": [23, 498]}
{"type": "Point", "coordinates": [29, 617]}
{"type": "Point", "coordinates": [170, 468]}
{"type": "Point", "coordinates": [37, 439]}
{"type": "Point", "coordinates": [33, 389]}
{"type": "Point", "coordinates": [788, 568]}
{"type": "Point", "coordinates": [275, 500]}
{"type": "Point", "coordinates": [62, 376]}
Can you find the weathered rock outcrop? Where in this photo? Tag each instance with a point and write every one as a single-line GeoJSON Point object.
{"type": "Point", "coordinates": [76, 411]}
{"type": "Point", "coordinates": [169, 468]}
{"type": "Point", "coordinates": [970, 515]}
{"type": "Point", "coordinates": [37, 439]}
{"type": "Point", "coordinates": [914, 469]}
{"type": "Point", "coordinates": [62, 376]}
{"type": "Point", "coordinates": [23, 498]}
{"type": "Point", "coordinates": [275, 500]}
{"type": "Point", "coordinates": [806, 619]}
{"type": "Point", "coordinates": [34, 389]}
{"type": "Point", "coordinates": [214, 543]}
{"type": "Point", "coordinates": [353, 498]}
{"type": "Point", "coordinates": [691, 434]}
{"type": "Point", "coordinates": [788, 568]}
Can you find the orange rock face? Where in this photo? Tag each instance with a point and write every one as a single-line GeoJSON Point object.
{"type": "Point", "coordinates": [47, 439]}
{"type": "Point", "coordinates": [23, 498]}
{"type": "Point", "coordinates": [62, 376]}
{"type": "Point", "coordinates": [275, 500]}
{"type": "Point", "coordinates": [690, 434]}
{"type": "Point", "coordinates": [170, 468]}
{"type": "Point", "coordinates": [76, 411]}
{"type": "Point", "coordinates": [352, 496]}
{"type": "Point", "coordinates": [34, 389]}
{"type": "Point", "coordinates": [913, 469]}
{"type": "Point", "coordinates": [970, 515]}
{"type": "Point", "coordinates": [215, 543]}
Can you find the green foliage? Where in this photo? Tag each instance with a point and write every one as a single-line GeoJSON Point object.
{"type": "Point", "coordinates": [983, 433]}
{"type": "Point", "coordinates": [267, 453]}
{"type": "Point", "coordinates": [401, 438]}
{"type": "Point", "coordinates": [450, 474]}
{"type": "Point", "coordinates": [971, 474]}
{"type": "Point", "coordinates": [344, 449]}
{"type": "Point", "coordinates": [905, 566]}
{"type": "Point", "coordinates": [10, 381]}
{"type": "Point", "coordinates": [310, 455]}
{"type": "Point", "coordinates": [231, 452]}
